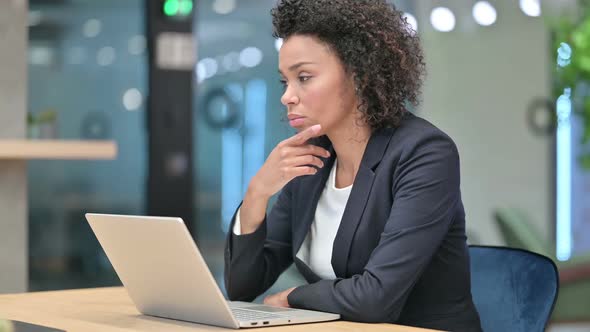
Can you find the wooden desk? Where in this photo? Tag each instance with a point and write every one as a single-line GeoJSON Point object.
{"type": "Point", "coordinates": [57, 149]}
{"type": "Point", "coordinates": [111, 309]}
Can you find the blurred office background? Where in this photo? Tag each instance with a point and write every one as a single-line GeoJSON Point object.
{"type": "Point", "coordinates": [495, 74]}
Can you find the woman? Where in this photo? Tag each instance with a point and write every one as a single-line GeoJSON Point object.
{"type": "Point", "coordinates": [369, 208]}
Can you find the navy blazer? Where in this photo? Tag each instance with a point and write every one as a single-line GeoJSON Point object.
{"type": "Point", "coordinates": [400, 253]}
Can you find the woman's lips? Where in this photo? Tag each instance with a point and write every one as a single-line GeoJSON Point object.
{"type": "Point", "coordinates": [296, 122]}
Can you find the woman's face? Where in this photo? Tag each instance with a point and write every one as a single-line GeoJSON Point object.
{"type": "Point", "coordinates": [317, 88]}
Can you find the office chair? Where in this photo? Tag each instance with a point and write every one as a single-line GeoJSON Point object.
{"type": "Point", "coordinates": [518, 231]}
{"type": "Point", "coordinates": [513, 289]}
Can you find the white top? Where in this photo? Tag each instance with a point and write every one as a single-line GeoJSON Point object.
{"type": "Point", "coordinates": [316, 250]}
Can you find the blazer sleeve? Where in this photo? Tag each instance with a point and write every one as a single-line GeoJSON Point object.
{"type": "Point", "coordinates": [425, 198]}
{"type": "Point", "coordinates": [254, 261]}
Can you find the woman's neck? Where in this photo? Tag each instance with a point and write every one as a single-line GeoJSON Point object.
{"type": "Point", "coordinates": [349, 145]}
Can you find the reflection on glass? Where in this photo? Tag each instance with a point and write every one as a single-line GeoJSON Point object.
{"type": "Point", "coordinates": [81, 68]}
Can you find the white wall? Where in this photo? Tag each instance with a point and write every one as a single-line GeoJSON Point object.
{"type": "Point", "coordinates": [13, 174]}
{"type": "Point", "coordinates": [480, 82]}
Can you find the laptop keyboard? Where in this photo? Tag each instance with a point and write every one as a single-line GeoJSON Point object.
{"type": "Point", "coordinates": [248, 315]}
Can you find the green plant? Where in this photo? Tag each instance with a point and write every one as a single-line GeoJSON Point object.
{"type": "Point", "coordinates": [572, 40]}
{"type": "Point", "coordinates": [41, 118]}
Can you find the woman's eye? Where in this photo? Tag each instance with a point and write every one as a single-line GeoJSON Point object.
{"type": "Point", "coordinates": [302, 79]}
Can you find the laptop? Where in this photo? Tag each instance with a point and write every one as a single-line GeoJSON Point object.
{"type": "Point", "coordinates": [165, 275]}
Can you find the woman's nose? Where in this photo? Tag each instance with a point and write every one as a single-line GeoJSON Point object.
{"type": "Point", "coordinates": [289, 97]}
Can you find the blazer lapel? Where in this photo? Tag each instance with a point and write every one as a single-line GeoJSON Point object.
{"type": "Point", "coordinates": [357, 200]}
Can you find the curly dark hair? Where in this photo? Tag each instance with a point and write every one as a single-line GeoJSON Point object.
{"type": "Point", "coordinates": [375, 43]}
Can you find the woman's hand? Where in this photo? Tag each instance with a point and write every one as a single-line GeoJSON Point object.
{"type": "Point", "coordinates": [288, 160]}
{"type": "Point", "coordinates": [279, 299]}
{"type": "Point", "coordinates": [291, 158]}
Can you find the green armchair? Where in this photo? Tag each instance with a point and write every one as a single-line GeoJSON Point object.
{"type": "Point", "coordinates": [573, 302]}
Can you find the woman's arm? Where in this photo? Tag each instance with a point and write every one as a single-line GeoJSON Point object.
{"type": "Point", "coordinates": [426, 197]}
{"type": "Point", "coordinates": [254, 261]}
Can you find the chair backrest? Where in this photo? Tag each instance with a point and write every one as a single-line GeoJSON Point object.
{"type": "Point", "coordinates": [518, 232]}
{"type": "Point", "coordinates": [513, 289]}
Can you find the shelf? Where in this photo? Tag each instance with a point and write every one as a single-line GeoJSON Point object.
{"type": "Point", "coordinates": [57, 149]}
